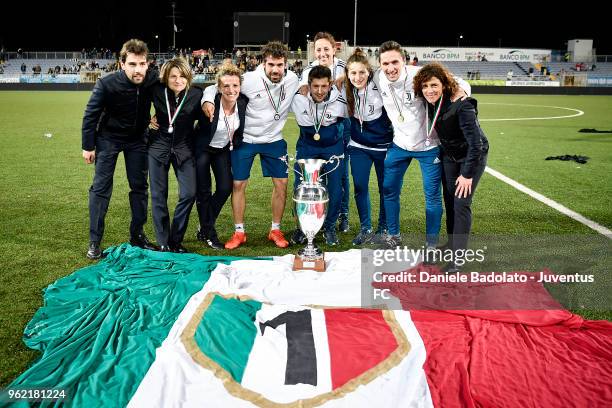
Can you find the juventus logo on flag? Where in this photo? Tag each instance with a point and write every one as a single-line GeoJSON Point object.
{"type": "Point", "coordinates": [271, 353]}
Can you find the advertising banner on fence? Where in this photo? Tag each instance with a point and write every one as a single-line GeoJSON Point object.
{"type": "Point", "coordinates": [478, 54]}
{"type": "Point", "coordinates": [599, 80]}
{"type": "Point", "coordinates": [532, 83]}
{"type": "Point", "coordinates": [50, 79]}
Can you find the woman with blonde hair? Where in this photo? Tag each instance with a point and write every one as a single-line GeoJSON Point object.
{"type": "Point", "coordinates": [464, 149]}
{"type": "Point", "coordinates": [177, 107]}
{"type": "Point", "coordinates": [216, 138]}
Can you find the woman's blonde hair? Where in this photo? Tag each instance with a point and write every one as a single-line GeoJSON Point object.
{"type": "Point", "coordinates": [228, 69]}
{"type": "Point", "coordinates": [179, 63]}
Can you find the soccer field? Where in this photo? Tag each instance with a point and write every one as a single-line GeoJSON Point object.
{"type": "Point", "coordinates": [44, 186]}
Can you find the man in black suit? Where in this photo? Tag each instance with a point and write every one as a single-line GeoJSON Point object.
{"type": "Point", "coordinates": [115, 120]}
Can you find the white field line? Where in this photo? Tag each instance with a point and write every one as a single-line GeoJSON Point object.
{"type": "Point", "coordinates": [551, 203]}
{"type": "Point", "coordinates": [578, 112]}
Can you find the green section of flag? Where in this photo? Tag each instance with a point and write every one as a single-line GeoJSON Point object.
{"type": "Point", "coordinates": [99, 327]}
{"type": "Point", "coordinates": [226, 333]}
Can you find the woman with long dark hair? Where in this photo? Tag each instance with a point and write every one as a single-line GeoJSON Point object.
{"type": "Point", "coordinates": [371, 135]}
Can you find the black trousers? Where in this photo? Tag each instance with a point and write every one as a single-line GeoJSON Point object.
{"type": "Point", "coordinates": [165, 233]}
{"type": "Point", "coordinates": [458, 210]}
{"type": "Point", "coordinates": [135, 155]}
{"type": "Point", "coordinates": [209, 204]}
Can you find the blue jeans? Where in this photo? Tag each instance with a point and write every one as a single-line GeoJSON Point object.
{"type": "Point", "coordinates": [396, 164]}
{"type": "Point", "coordinates": [346, 187]}
{"type": "Point", "coordinates": [361, 165]}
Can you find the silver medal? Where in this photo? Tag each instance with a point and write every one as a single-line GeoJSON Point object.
{"type": "Point", "coordinates": [170, 129]}
{"type": "Point", "coordinates": [276, 117]}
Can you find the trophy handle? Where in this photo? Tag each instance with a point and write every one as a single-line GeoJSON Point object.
{"type": "Point", "coordinates": [331, 160]}
{"type": "Point", "coordinates": [286, 159]}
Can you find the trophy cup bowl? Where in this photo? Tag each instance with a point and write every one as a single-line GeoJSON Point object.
{"type": "Point", "coordinates": [311, 199]}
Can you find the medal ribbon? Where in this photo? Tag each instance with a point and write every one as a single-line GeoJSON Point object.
{"type": "Point", "coordinates": [172, 118]}
{"type": "Point", "coordinates": [315, 115]}
{"type": "Point", "coordinates": [360, 105]}
{"type": "Point", "coordinates": [275, 106]}
{"type": "Point", "coordinates": [231, 129]}
{"type": "Point", "coordinates": [398, 106]}
{"type": "Point", "coordinates": [431, 125]}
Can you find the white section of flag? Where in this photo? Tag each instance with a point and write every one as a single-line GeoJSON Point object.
{"type": "Point", "coordinates": [175, 380]}
{"type": "Point", "coordinates": [269, 355]}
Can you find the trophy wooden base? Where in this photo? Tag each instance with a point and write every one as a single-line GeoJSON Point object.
{"type": "Point", "coordinates": [300, 265]}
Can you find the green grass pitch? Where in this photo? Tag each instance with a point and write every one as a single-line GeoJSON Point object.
{"type": "Point", "coordinates": [44, 185]}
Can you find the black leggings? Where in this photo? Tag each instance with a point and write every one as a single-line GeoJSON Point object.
{"type": "Point", "coordinates": [458, 210]}
{"type": "Point", "coordinates": [209, 204]}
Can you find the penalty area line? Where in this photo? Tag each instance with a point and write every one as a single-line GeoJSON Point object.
{"type": "Point", "coordinates": [551, 203]}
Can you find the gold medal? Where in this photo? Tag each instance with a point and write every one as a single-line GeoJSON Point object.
{"type": "Point", "coordinates": [316, 136]}
{"type": "Point", "coordinates": [400, 118]}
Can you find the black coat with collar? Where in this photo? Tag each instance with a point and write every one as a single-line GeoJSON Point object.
{"type": "Point", "coordinates": [118, 109]}
{"type": "Point", "coordinates": [180, 142]}
{"type": "Point", "coordinates": [461, 137]}
{"type": "Point", "coordinates": [205, 130]}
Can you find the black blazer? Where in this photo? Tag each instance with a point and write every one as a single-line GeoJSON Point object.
{"type": "Point", "coordinates": [205, 130]}
{"type": "Point", "coordinates": [180, 143]}
{"type": "Point", "coordinates": [461, 137]}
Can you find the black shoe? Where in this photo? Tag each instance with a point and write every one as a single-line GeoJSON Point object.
{"type": "Point", "coordinates": [165, 248]}
{"type": "Point", "coordinates": [364, 237]}
{"type": "Point", "coordinates": [330, 236]}
{"type": "Point", "coordinates": [94, 251]}
{"type": "Point", "coordinates": [451, 267]}
{"type": "Point", "coordinates": [212, 239]}
{"type": "Point", "coordinates": [143, 242]}
{"type": "Point", "coordinates": [298, 237]}
{"type": "Point", "coordinates": [179, 248]}
{"type": "Point", "coordinates": [343, 221]}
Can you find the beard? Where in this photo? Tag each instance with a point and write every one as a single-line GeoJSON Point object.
{"type": "Point", "coordinates": [275, 79]}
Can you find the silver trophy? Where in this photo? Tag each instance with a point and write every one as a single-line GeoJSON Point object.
{"type": "Point", "coordinates": [311, 198]}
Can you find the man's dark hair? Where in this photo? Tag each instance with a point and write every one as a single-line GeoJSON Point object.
{"type": "Point", "coordinates": [274, 49]}
{"type": "Point", "coordinates": [390, 46]}
{"type": "Point", "coordinates": [319, 72]}
{"type": "Point", "coordinates": [133, 46]}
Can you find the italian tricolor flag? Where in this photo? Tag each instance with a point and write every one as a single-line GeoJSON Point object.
{"type": "Point", "coordinates": [147, 329]}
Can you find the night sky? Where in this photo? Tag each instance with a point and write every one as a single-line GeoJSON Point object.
{"type": "Point", "coordinates": [54, 26]}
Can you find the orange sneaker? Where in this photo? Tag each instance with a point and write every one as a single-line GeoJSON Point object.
{"type": "Point", "coordinates": [236, 240]}
{"type": "Point", "coordinates": [279, 239]}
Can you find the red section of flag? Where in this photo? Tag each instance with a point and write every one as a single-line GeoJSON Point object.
{"type": "Point", "coordinates": [516, 358]}
{"type": "Point", "coordinates": [508, 357]}
{"type": "Point", "coordinates": [358, 341]}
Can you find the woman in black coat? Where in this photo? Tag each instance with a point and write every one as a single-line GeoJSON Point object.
{"type": "Point", "coordinates": [177, 107]}
{"type": "Point", "coordinates": [464, 149]}
{"type": "Point", "coordinates": [215, 138]}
